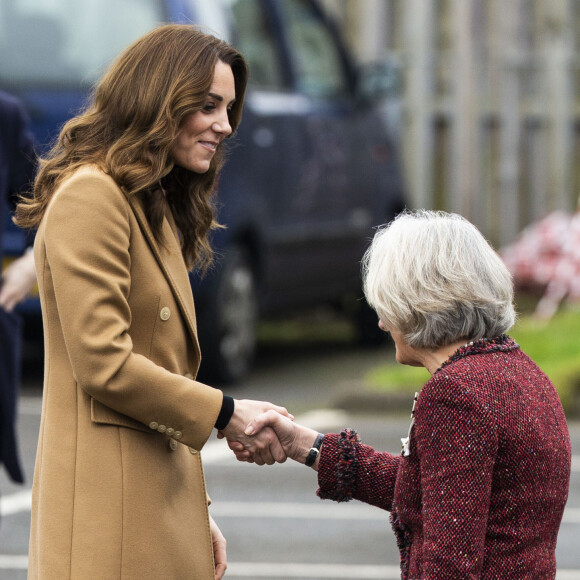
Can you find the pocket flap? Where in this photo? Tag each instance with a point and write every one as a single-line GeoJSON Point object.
{"type": "Point", "coordinates": [105, 415]}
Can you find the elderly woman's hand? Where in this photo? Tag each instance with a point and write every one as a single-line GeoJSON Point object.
{"type": "Point", "coordinates": [296, 440]}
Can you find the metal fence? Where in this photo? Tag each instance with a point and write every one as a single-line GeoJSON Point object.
{"type": "Point", "coordinates": [490, 119]}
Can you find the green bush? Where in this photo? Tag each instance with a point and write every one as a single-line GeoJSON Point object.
{"type": "Point", "coordinates": [553, 345]}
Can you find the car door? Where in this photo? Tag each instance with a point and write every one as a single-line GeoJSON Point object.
{"type": "Point", "coordinates": [51, 53]}
{"type": "Point", "coordinates": [258, 180]}
{"type": "Point", "coordinates": [324, 217]}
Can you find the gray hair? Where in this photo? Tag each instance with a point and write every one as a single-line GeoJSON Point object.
{"type": "Point", "coordinates": [435, 279]}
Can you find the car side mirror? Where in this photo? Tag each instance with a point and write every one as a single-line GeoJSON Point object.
{"type": "Point", "coordinates": [379, 80]}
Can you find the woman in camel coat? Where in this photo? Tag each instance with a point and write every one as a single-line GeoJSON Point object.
{"type": "Point", "coordinates": [123, 207]}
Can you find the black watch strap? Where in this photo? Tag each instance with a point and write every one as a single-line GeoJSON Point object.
{"type": "Point", "coordinates": [314, 451]}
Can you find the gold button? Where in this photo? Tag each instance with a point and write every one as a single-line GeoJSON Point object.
{"type": "Point", "coordinates": [170, 431]}
{"type": "Point", "coordinates": [162, 428]}
{"type": "Point", "coordinates": [173, 444]}
{"type": "Point", "coordinates": [153, 425]}
{"type": "Point", "coordinates": [178, 435]}
{"type": "Point", "coordinates": [193, 451]}
{"type": "Point", "coordinates": [189, 376]}
{"type": "Point", "coordinates": [165, 313]}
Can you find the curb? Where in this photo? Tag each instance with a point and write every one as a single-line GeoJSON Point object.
{"type": "Point", "coordinates": [356, 397]}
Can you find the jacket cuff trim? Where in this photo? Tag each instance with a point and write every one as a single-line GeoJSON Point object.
{"type": "Point", "coordinates": [346, 468]}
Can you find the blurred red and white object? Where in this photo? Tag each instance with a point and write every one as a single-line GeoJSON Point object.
{"type": "Point", "coordinates": [546, 259]}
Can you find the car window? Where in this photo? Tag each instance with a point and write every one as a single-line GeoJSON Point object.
{"type": "Point", "coordinates": [255, 39]}
{"type": "Point", "coordinates": [319, 69]}
{"type": "Point", "coordinates": [67, 41]}
{"type": "Point", "coordinates": [213, 17]}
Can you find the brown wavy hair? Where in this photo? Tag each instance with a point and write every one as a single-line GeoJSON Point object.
{"type": "Point", "coordinates": [129, 128]}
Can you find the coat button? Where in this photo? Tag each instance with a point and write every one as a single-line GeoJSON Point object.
{"type": "Point", "coordinates": [170, 431]}
{"type": "Point", "coordinates": [153, 425]}
{"type": "Point", "coordinates": [162, 428]}
{"type": "Point", "coordinates": [173, 444]}
{"type": "Point", "coordinates": [193, 451]}
{"type": "Point", "coordinates": [178, 435]}
{"type": "Point", "coordinates": [165, 313]}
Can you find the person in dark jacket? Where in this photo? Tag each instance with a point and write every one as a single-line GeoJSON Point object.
{"type": "Point", "coordinates": [480, 486]}
{"type": "Point", "coordinates": [17, 165]}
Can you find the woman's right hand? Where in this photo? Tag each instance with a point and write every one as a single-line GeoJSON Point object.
{"type": "Point", "coordinates": [296, 440]}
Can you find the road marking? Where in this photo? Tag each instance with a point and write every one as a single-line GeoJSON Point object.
{"type": "Point", "coordinates": [358, 572]}
{"type": "Point", "coordinates": [22, 502]}
{"type": "Point", "coordinates": [571, 516]}
{"type": "Point", "coordinates": [213, 452]}
{"type": "Point", "coordinates": [291, 570]}
{"type": "Point", "coordinates": [16, 503]}
{"type": "Point", "coordinates": [307, 511]}
{"type": "Point", "coordinates": [30, 405]}
{"type": "Point", "coordinates": [216, 451]}
{"type": "Point", "coordinates": [12, 562]}
{"type": "Point", "coordinates": [321, 511]}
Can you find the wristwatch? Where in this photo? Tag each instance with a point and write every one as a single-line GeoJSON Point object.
{"type": "Point", "coordinates": [314, 451]}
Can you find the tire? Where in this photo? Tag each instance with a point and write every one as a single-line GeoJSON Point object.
{"type": "Point", "coordinates": [227, 322]}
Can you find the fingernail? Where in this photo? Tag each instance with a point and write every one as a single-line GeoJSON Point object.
{"type": "Point", "coordinates": [249, 431]}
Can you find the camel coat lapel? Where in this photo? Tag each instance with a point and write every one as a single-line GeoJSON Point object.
{"type": "Point", "coordinates": [170, 261]}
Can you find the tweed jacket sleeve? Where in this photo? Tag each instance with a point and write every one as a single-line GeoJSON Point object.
{"type": "Point", "coordinates": [349, 470]}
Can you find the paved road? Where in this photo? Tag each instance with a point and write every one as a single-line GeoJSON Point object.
{"type": "Point", "coordinates": [275, 525]}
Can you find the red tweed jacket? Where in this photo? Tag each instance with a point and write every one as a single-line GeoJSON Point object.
{"type": "Point", "coordinates": [483, 490]}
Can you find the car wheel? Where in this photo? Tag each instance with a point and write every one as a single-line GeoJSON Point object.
{"type": "Point", "coordinates": [227, 324]}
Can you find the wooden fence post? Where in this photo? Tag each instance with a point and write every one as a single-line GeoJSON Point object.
{"type": "Point", "coordinates": [418, 144]}
{"type": "Point", "coordinates": [506, 57]}
{"type": "Point", "coordinates": [461, 170]}
{"type": "Point", "coordinates": [556, 42]}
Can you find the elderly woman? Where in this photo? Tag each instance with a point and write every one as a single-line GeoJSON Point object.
{"type": "Point", "coordinates": [480, 486]}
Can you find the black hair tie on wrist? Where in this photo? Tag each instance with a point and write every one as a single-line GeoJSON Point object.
{"type": "Point", "coordinates": [225, 413]}
{"type": "Point", "coordinates": [314, 451]}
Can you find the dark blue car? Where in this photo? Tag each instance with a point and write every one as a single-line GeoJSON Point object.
{"type": "Point", "coordinates": [311, 171]}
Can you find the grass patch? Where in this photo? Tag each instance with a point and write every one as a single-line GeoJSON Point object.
{"type": "Point", "coordinates": [318, 326]}
{"type": "Point", "coordinates": [553, 345]}
{"type": "Point", "coordinates": [393, 377]}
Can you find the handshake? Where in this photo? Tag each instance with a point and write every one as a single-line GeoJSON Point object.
{"type": "Point", "coordinates": [263, 433]}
